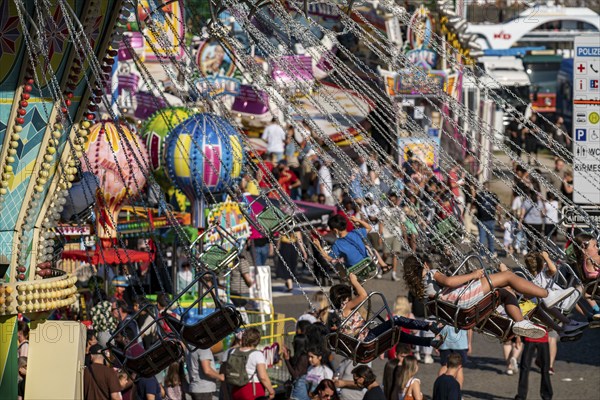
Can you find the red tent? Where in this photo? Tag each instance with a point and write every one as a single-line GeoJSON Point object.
{"type": "Point", "coordinates": [109, 255]}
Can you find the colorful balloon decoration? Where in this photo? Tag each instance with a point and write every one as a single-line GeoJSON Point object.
{"type": "Point", "coordinates": [203, 155]}
{"type": "Point", "coordinates": [119, 160]}
{"type": "Point", "coordinates": [154, 131]}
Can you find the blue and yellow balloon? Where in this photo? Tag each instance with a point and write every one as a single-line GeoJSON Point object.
{"type": "Point", "coordinates": [203, 155]}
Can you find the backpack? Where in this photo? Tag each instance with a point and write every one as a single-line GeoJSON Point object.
{"type": "Point", "coordinates": [235, 368]}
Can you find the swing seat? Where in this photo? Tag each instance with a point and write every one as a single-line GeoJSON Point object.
{"type": "Point", "coordinates": [356, 349]}
{"type": "Point", "coordinates": [133, 358]}
{"type": "Point", "coordinates": [153, 360]}
{"type": "Point", "coordinates": [273, 220]}
{"type": "Point", "coordinates": [464, 318]}
{"type": "Point", "coordinates": [210, 330]}
{"type": "Point", "coordinates": [361, 352]}
{"type": "Point", "coordinates": [449, 230]}
{"type": "Point", "coordinates": [364, 270]}
{"type": "Point", "coordinates": [220, 260]}
{"type": "Point", "coordinates": [498, 326]}
{"type": "Point", "coordinates": [221, 257]}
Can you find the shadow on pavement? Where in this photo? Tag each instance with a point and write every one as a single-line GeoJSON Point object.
{"type": "Point", "coordinates": [486, 364]}
{"type": "Point", "coordinates": [472, 394]}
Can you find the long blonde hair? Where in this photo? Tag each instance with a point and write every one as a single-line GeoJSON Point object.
{"type": "Point", "coordinates": [402, 306]}
{"type": "Point", "coordinates": [408, 371]}
{"type": "Point", "coordinates": [322, 306]}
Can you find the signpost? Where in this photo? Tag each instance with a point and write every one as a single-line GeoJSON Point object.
{"type": "Point", "coordinates": [586, 127]}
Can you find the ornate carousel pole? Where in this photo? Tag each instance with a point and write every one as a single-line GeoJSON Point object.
{"type": "Point", "coordinates": [53, 55]}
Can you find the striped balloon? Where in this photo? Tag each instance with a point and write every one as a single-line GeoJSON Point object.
{"type": "Point", "coordinates": [203, 155]}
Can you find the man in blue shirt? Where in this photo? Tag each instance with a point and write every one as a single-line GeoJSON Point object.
{"type": "Point", "coordinates": [350, 246]}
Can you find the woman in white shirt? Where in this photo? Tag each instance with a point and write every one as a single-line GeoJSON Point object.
{"type": "Point", "coordinates": [256, 368]}
{"type": "Point", "coordinates": [532, 219]}
{"type": "Point", "coordinates": [317, 371]}
{"type": "Point", "coordinates": [551, 218]}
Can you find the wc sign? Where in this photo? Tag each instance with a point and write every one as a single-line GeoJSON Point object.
{"type": "Point", "coordinates": [580, 135]}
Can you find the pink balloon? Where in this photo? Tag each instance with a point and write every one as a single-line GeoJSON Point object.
{"type": "Point", "coordinates": [119, 159]}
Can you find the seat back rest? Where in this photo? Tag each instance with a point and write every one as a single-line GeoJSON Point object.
{"type": "Point", "coordinates": [464, 318]}
{"type": "Point", "coordinates": [480, 311]}
{"type": "Point", "coordinates": [368, 351]}
{"type": "Point", "coordinates": [156, 359]}
{"type": "Point", "coordinates": [498, 326]}
{"type": "Point", "coordinates": [364, 270]}
{"type": "Point", "coordinates": [213, 328]}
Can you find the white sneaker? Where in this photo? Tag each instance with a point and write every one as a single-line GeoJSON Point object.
{"type": "Point", "coordinates": [428, 359]}
{"type": "Point", "coordinates": [394, 276]}
{"type": "Point", "coordinates": [556, 296]}
{"type": "Point", "coordinates": [510, 371]}
{"type": "Point", "coordinates": [526, 328]}
{"type": "Point", "coordinates": [514, 365]}
{"type": "Point", "coordinates": [418, 356]}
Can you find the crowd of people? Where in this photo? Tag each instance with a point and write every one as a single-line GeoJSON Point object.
{"type": "Point", "coordinates": [414, 198]}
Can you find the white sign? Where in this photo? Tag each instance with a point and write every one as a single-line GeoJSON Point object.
{"type": "Point", "coordinates": [586, 121]}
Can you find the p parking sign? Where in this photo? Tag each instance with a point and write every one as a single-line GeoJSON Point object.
{"type": "Point", "coordinates": [580, 135]}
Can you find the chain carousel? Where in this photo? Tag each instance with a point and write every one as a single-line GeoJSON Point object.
{"type": "Point", "coordinates": [71, 155]}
